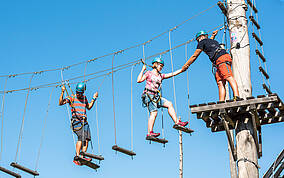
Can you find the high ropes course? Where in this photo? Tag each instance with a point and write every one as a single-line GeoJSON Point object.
{"type": "Point", "coordinates": [203, 111]}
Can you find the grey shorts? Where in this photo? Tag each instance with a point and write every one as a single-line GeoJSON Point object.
{"type": "Point", "coordinates": [83, 132]}
{"type": "Point", "coordinates": [152, 103]}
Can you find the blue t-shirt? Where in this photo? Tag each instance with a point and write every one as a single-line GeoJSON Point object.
{"type": "Point", "coordinates": [210, 47]}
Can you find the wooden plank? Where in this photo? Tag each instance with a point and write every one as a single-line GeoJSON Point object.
{"type": "Point", "coordinates": [27, 170]}
{"type": "Point", "coordinates": [184, 129]}
{"type": "Point", "coordinates": [122, 150]}
{"type": "Point", "coordinates": [155, 139]}
{"type": "Point", "coordinates": [254, 117]}
{"type": "Point", "coordinates": [257, 39]}
{"type": "Point", "coordinates": [224, 114]}
{"type": "Point", "coordinates": [87, 163]}
{"type": "Point", "coordinates": [266, 88]}
{"type": "Point", "coordinates": [11, 173]}
{"type": "Point", "coordinates": [252, 6]}
{"type": "Point", "coordinates": [260, 55]}
{"type": "Point", "coordinates": [231, 143]}
{"type": "Point", "coordinates": [264, 73]}
{"type": "Point", "coordinates": [98, 157]}
{"type": "Point", "coordinates": [254, 22]}
{"type": "Point", "coordinates": [234, 104]}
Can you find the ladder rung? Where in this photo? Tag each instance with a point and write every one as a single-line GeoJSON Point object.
{"type": "Point", "coordinates": [27, 170]}
{"type": "Point", "coordinates": [10, 172]}
{"type": "Point", "coordinates": [257, 39]}
{"type": "Point", "coordinates": [222, 7]}
{"type": "Point", "coordinates": [252, 6]}
{"type": "Point", "coordinates": [263, 72]}
{"type": "Point", "coordinates": [122, 150]}
{"type": "Point", "coordinates": [254, 22]}
{"type": "Point", "coordinates": [260, 55]}
{"type": "Point", "coordinates": [266, 89]}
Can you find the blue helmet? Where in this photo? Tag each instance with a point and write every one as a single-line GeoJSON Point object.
{"type": "Point", "coordinates": [202, 32]}
{"type": "Point", "coordinates": [81, 87]}
{"type": "Point", "coordinates": [158, 59]}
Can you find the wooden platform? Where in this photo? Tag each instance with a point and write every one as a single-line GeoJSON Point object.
{"type": "Point", "coordinates": [265, 109]}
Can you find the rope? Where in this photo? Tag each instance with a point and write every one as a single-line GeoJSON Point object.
{"type": "Point", "coordinates": [23, 120]}
{"type": "Point", "coordinates": [99, 147]}
{"type": "Point", "coordinates": [131, 108]}
{"type": "Point", "coordinates": [163, 130]}
{"type": "Point", "coordinates": [43, 130]}
{"type": "Point", "coordinates": [67, 108]}
{"type": "Point", "coordinates": [113, 53]}
{"type": "Point", "coordinates": [187, 84]}
{"type": "Point", "coordinates": [113, 105]}
{"type": "Point", "coordinates": [2, 117]}
{"type": "Point", "coordinates": [171, 55]}
{"type": "Point", "coordinates": [121, 67]}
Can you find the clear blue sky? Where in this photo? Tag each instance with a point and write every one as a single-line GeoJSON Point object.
{"type": "Point", "coordinates": [39, 35]}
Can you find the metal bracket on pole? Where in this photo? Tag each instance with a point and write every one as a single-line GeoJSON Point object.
{"type": "Point", "coordinates": [255, 124]}
{"type": "Point", "coordinates": [225, 116]}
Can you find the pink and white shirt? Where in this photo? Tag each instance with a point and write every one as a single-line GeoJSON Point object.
{"type": "Point", "coordinates": [153, 81]}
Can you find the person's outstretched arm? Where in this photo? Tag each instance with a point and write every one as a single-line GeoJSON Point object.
{"type": "Point", "coordinates": [169, 75]}
{"type": "Point", "coordinates": [141, 77]}
{"type": "Point", "coordinates": [214, 34]}
{"type": "Point", "coordinates": [191, 59]}
{"type": "Point", "coordinates": [91, 104]}
{"type": "Point", "coordinates": [61, 100]}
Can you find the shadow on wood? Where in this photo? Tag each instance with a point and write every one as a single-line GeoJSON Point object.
{"type": "Point", "coordinates": [27, 170]}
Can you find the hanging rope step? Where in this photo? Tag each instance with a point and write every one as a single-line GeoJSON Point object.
{"type": "Point", "coordinates": [27, 170]}
{"type": "Point", "coordinates": [257, 39]}
{"type": "Point", "coordinates": [86, 163]}
{"type": "Point", "coordinates": [158, 140]}
{"type": "Point", "coordinates": [260, 55]}
{"type": "Point", "coordinates": [11, 173]}
{"type": "Point", "coordinates": [264, 73]}
{"type": "Point", "coordinates": [252, 6]}
{"type": "Point", "coordinates": [254, 22]}
{"type": "Point", "coordinates": [122, 150]}
{"type": "Point", "coordinates": [184, 129]}
{"type": "Point", "coordinates": [98, 157]}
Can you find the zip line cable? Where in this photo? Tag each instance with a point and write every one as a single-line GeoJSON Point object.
{"type": "Point", "coordinates": [120, 51]}
{"type": "Point", "coordinates": [2, 117]}
{"type": "Point", "coordinates": [120, 67]}
{"type": "Point", "coordinates": [43, 129]}
{"type": "Point", "coordinates": [23, 120]}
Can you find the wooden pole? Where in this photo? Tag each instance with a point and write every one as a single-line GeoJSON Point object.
{"type": "Point", "coordinates": [245, 145]}
{"type": "Point", "coordinates": [180, 155]}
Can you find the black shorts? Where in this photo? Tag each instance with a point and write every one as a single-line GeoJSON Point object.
{"type": "Point", "coordinates": [83, 132]}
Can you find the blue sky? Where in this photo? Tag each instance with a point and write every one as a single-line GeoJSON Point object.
{"type": "Point", "coordinates": [39, 35]}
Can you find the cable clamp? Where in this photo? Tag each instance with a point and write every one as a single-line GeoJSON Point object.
{"type": "Point", "coordinates": [247, 160]}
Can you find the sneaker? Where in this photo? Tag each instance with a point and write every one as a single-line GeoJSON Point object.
{"type": "Point", "coordinates": [237, 98]}
{"type": "Point", "coordinates": [152, 134]}
{"type": "Point", "coordinates": [183, 124]}
{"type": "Point", "coordinates": [76, 161]}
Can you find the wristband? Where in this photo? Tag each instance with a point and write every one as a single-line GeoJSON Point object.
{"type": "Point", "coordinates": [94, 99]}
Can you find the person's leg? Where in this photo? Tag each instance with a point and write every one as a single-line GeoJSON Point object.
{"type": "Point", "coordinates": [233, 85]}
{"type": "Point", "coordinates": [78, 147]}
{"type": "Point", "coordinates": [85, 147]}
{"type": "Point", "coordinates": [169, 105]}
{"type": "Point", "coordinates": [222, 90]}
{"type": "Point", "coordinates": [151, 121]}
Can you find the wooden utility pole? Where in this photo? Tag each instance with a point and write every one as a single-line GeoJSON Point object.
{"type": "Point", "coordinates": [247, 157]}
{"type": "Point", "coordinates": [180, 155]}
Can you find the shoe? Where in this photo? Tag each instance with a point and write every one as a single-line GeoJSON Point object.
{"type": "Point", "coordinates": [152, 134]}
{"type": "Point", "coordinates": [76, 161]}
{"type": "Point", "coordinates": [87, 159]}
{"type": "Point", "coordinates": [183, 124]}
{"type": "Point", "coordinates": [237, 98]}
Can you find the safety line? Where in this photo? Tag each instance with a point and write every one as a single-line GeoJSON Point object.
{"type": "Point", "coordinates": [113, 105]}
{"type": "Point", "coordinates": [2, 118]}
{"type": "Point", "coordinates": [43, 129]}
{"type": "Point", "coordinates": [120, 51]}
